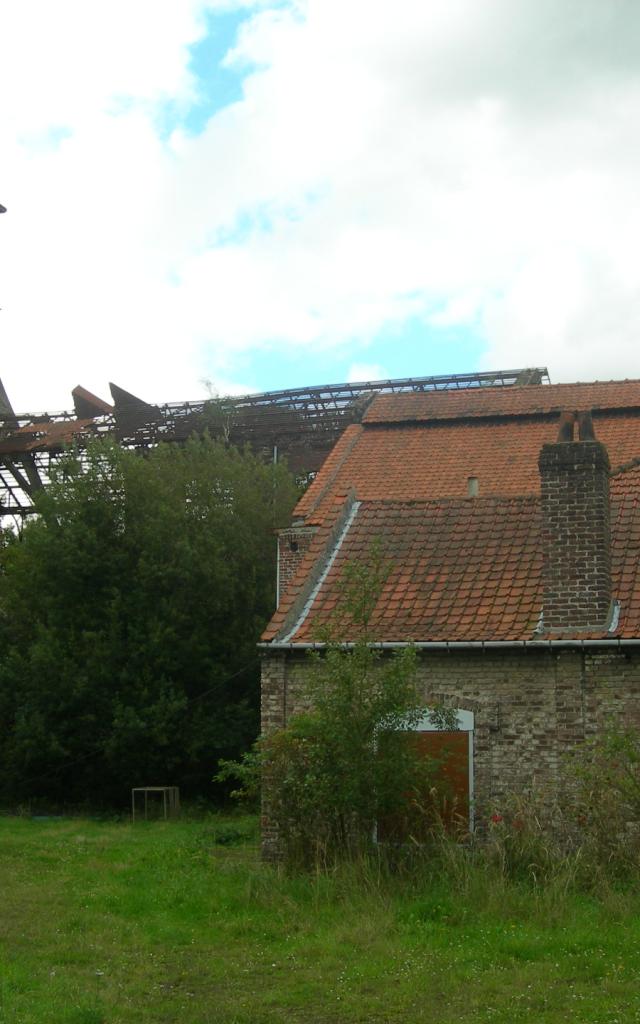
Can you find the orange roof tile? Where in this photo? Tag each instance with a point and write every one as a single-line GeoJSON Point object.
{"type": "Point", "coordinates": [462, 568]}
{"type": "Point", "coordinates": [459, 569]}
{"type": "Point", "coordinates": [330, 468]}
{"type": "Point", "coordinates": [316, 553]}
{"type": "Point", "coordinates": [431, 460]}
{"type": "Point", "coordinates": [419, 406]}
{"type": "Point", "coordinates": [625, 479]}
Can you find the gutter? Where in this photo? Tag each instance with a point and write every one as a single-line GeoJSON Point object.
{"type": "Point", "coordinates": [454, 645]}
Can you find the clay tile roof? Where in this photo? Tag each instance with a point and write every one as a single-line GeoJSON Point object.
{"type": "Point", "coordinates": [316, 554]}
{"type": "Point", "coordinates": [502, 401]}
{"type": "Point", "coordinates": [440, 557]}
{"type": "Point", "coordinates": [458, 570]}
{"type": "Point", "coordinates": [405, 462]}
{"type": "Point", "coordinates": [625, 479]}
{"type": "Point", "coordinates": [462, 568]}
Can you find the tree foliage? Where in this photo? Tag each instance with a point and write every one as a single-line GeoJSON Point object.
{"type": "Point", "coordinates": [332, 773]}
{"type": "Point", "coordinates": [130, 610]}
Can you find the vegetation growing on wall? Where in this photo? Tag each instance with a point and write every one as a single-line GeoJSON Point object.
{"type": "Point", "coordinates": [332, 773]}
{"type": "Point", "coordinates": [130, 610]}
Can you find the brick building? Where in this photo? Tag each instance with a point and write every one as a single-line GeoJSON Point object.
{"type": "Point", "coordinates": [509, 519]}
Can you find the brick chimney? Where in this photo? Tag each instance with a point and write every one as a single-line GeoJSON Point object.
{"type": "Point", "coordinates": [575, 529]}
{"type": "Point", "coordinates": [293, 545]}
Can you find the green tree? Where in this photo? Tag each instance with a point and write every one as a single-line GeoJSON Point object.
{"type": "Point", "coordinates": [130, 610]}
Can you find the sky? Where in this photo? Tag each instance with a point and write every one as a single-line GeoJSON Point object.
{"type": "Point", "coordinates": [242, 195]}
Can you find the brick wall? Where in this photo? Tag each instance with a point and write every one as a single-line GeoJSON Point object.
{"type": "Point", "coordinates": [273, 716]}
{"type": "Point", "coordinates": [575, 535]}
{"type": "Point", "coordinates": [293, 544]}
{"type": "Point", "coordinates": [531, 708]}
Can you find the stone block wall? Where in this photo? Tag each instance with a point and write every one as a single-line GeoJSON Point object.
{"type": "Point", "coordinates": [531, 708]}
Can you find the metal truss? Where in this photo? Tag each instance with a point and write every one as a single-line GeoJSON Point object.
{"type": "Point", "coordinates": [302, 424]}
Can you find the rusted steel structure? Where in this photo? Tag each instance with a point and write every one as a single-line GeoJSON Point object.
{"type": "Point", "coordinates": [301, 424]}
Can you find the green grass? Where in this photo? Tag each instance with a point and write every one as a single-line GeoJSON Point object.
{"type": "Point", "coordinates": [108, 923]}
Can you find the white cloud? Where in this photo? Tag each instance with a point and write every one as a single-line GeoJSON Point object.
{"type": "Point", "coordinates": [359, 372]}
{"type": "Point", "coordinates": [464, 161]}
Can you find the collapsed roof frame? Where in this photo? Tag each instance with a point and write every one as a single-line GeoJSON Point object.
{"type": "Point", "coordinates": [300, 423]}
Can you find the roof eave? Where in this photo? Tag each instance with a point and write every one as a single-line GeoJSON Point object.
{"type": "Point", "coordinates": [453, 645]}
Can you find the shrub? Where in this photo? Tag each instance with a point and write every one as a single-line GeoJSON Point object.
{"type": "Point", "coordinates": [605, 800]}
{"type": "Point", "coordinates": [588, 835]}
{"type": "Point", "coordinates": [333, 772]}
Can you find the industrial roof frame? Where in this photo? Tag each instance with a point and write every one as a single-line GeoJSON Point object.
{"type": "Point", "coordinates": [302, 424]}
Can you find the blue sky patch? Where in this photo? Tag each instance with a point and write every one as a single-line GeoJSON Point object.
{"type": "Point", "coordinates": [412, 349]}
{"type": "Point", "coordinates": [218, 86]}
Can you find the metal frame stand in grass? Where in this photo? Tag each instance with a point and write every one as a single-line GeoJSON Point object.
{"type": "Point", "coordinates": [170, 800]}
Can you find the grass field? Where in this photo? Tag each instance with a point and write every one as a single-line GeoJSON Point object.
{"type": "Point", "coordinates": [167, 922]}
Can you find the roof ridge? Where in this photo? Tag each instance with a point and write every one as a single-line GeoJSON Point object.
{"type": "Point", "coordinates": [493, 414]}
{"type": "Point", "coordinates": [574, 383]}
{"type": "Point", "coordinates": [528, 400]}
